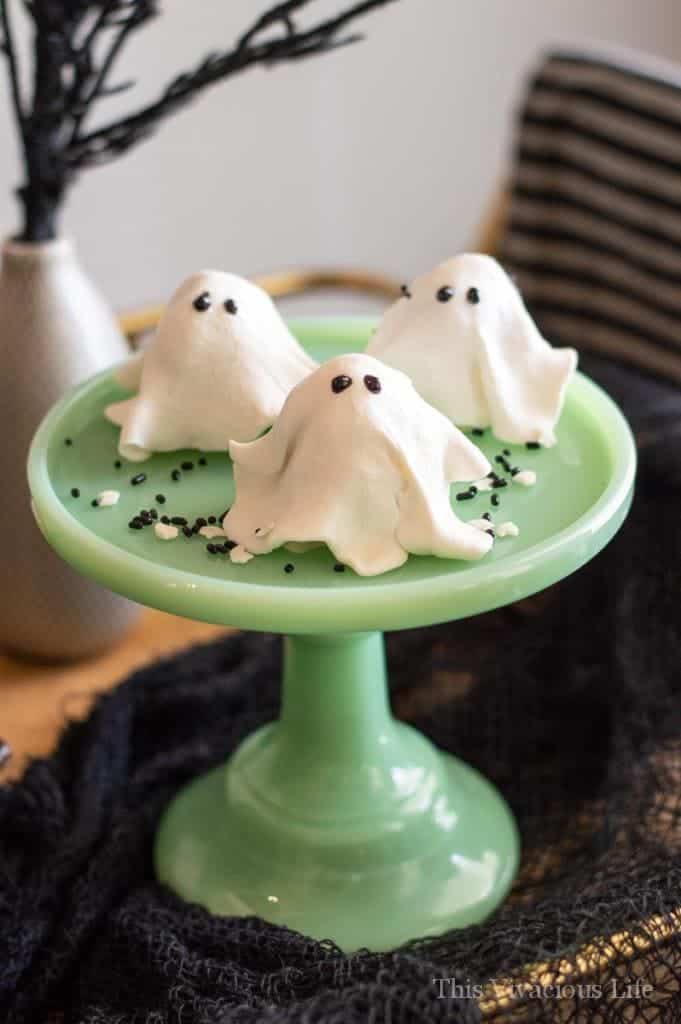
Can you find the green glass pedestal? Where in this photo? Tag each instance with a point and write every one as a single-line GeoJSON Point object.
{"type": "Point", "coordinates": [336, 820]}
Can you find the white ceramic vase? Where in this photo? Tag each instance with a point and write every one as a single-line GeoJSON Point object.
{"type": "Point", "coordinates": [55, 330]}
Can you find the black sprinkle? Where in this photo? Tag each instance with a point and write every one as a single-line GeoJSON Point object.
{"type": "Point", "coordinates": [117, 464]}
{"type": "Point", "coordinates": [473, 490]}
{"type": "Point", "coordinates": [515, 470]}
{"type": "Point", "coordinates": [499, 483]}
{"type": "Point", "coordinates": [490, 532]}
{"type": "Point", "coordinates": [5, 753]}
{"type": "Point", "coordinates": [487, 516]}
{"type": "Point", "coordinates": [75, 493]}
{"type": "Point", "coordinates": [94, 503]}
{"type": "Point", "coordinates": [187, 465]}
{"type": "Point", "coordinates": [228, 545]}
{"type": "Point", "coordinates": [340, 383]}
{"type": "Point", "coordinates": [178, 521]}
{"type": "Point", "coordinates": [339, 567]}
{"type": "Point", "coordinates": [68, 442]}
{"type": "Point", "coordinates": [195, 529]}
{"type": "Point", "coordinates": [135, 524]}
{"type": "Point", "coordinates": [176, 475]}
{"type": "Point", "coordinates": [495, 500]}
{"type": "Point", "coordinates": [231, 307]}
{"type": "Point", "coordinates": [211, 520]}
{"type": "Point", "coordinates": [211, 549]}
{"type": "Point", "coordinates": [153, 513]}
{"type": "Point", "coordinates": [464, 496]}
{"type": "Point", "coordinates": [164, 519]}
{"type": "Point", "coordinates": [161, 499]}
{"type": "Point", "coordinates": [200, 521]}
{"type": "Point", "coordinates": [473, 295]}
{"type": "Point", "coordinates": [477, 431]}
{"type": "Point", "coordinates": [532, 445]}
{"type": "Point", "coordinates": [203, 462]}
{"type": "Point", "coordinates": [444, 294]}
{"type": "Point", "coordinates": [289, 567]}
{"type": "Point", "coordinates": [405, 291]}
{"type": "Point", "coordinates": [187, 531]}
{"type": "Point", "coordinates": [506, 451]}
{"type": "Point", "coordinates": [139, 479]}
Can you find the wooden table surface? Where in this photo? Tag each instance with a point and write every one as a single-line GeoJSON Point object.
{"type": "Point", "coordinates": [36, 698]}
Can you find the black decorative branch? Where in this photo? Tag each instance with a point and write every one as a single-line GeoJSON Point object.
{"type": "Point", "coordinates": [7, 47]}
{"type": "Point", "coordinates": [76, 47]}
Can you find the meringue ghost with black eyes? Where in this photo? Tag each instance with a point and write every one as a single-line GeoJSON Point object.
{"type": "Point", "coordinates": [464, 336]}
{"type": "Point", "coordinates": [357, 461]}
{"type": "Point", "coordinates": [218, 368]}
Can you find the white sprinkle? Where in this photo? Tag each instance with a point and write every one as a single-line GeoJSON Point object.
{"type": "Point", "coordinates": [212, 531]}
{"type": "Point", "coordinates": [239, 555]}
{"type": "Point", "coordinates": [164, 531]}
{"type": "Point", "coordinates": [507, 530]}
{"type": "Point", "coordinates": [485, 484]}
{"type": "Point", "coordinates": [107, 498]}
{"type": "Point", "coordinates": [526, 477]}
{"type": "Point", "coordinates": [481, 524]}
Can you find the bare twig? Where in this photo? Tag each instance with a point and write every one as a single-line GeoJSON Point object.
{"type": "Point", "coordinates": [98, 89]}
{"type": "Point", "coordinates": [13, 70]}
{"type": "Point", "coordinates": [77, 46]}
{"type": "Point", "coordinates": [117, 136]}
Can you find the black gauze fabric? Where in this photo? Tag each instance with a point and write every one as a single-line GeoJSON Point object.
{"type": "Point", "coordinates": [570, 702]}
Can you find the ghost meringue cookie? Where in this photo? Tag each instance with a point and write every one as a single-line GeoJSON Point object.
{"type": "Point", "coordinates": [464, 336]}
{"type": "Point", "coordinates": [218, 368]}
{"type": "Point", "coordinates": [359, 462]}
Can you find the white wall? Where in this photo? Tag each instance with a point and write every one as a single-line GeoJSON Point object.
{"type": "Point", "coordinates": [383, 154]}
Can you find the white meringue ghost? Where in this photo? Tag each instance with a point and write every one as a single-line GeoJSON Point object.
{"type": "Point", "coordinates": [218, 368]}
{"type": "Point", "coordinates": [358, 461]}
{"type": "Point", "coordinates": [464, 336]}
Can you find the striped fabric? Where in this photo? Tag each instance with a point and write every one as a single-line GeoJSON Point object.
{"type": "Point", "coordinates": [594, 236]}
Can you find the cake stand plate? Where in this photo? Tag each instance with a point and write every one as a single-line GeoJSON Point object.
{"type": "Point", "coordinates": [336, 820]}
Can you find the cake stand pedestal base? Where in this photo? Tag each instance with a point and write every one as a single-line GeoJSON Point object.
{"type": "Point", "coordinates": [338, 820]}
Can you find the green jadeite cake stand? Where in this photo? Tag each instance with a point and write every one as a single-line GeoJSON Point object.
{"type": "Point", "coordinates": [337, 820]}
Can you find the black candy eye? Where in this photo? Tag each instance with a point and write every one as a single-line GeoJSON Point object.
{"type": "Point", "coordinates": [405, 291]}
{"type": "Point", "coordinates": [231, 306]}
{"type": "Point", "coordinates": [444, 294]}
{"type": "Point", "coordinates": [202, 302]}
{"type": "Point", "coordinates": [340, 383]}
{"type": "Point", "coordinates": [473, 295]}
{"type": "Point", "coordinates": [372, 384]}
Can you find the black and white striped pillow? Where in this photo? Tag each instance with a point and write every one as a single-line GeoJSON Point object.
{"type": "Point", "coordinates": [594, 235]}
